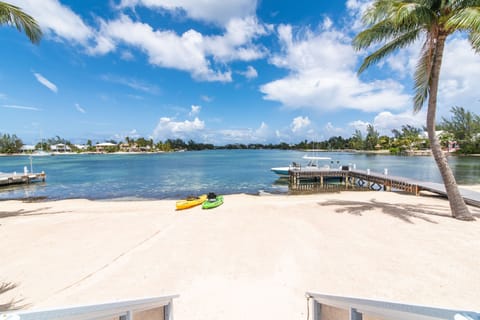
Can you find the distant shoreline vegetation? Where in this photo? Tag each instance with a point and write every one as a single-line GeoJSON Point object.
{"type": "Point", "coordinates": [459, 135]}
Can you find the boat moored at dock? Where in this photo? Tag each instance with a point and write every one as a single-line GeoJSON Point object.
{"type": "Point", "coordinates": [313, 164]}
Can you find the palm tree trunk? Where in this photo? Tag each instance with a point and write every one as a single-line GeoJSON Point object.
{"type": "Point", "coordinates": [457, 204]}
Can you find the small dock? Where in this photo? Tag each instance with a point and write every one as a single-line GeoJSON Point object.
{"type": "Point", "coordinates": [305, 180]}
{"type": "Point", "coordinates": [21, 178]}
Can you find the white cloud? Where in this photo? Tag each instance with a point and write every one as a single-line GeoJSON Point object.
{"type": "Point", "coordinates": [203, 56]}
{"type": "Point", "coordinates": [262, 134]}
{"type": "Point", "coordinates": [136, 84]}
{"type": "Point", "coordinates": [330, 130]}
{"type": "Point", "coordinates": [359, 125]}
{"type": "Point", "coordinates": [214, 11]}
{"type": "Point", "coordinates": [357, 6]}
{"type": "Point", "coordinates": [168, 128]}
{"type": "Point", "coordinates": [355, 9]}
{"type": "Point", "coordinates": [457, 80]}
{"type": "Point", "coordinates": [299, 123]}
{"type": "Point", "coordinates": [166, 48]}
{"type": "Point", "coordinates": [79, 108]}
{"type": "Point", "coordinates": [133, 134]}
{"type": "Point", "coordinates": [323, 76]}
{"type": "Point", "coordinates": [237, 41]}
{"type": "Point", "coordinates": [103, 45]}
{"type": "Point", "coordinates": [57, 19]}
{"type": "Point", "coordinates": [195, 110]}
{"type": "Point", "coordinates": [459, 67]}
{"type": "Point", "coordinates": [385, 121]}
{"type": "Point", "coordinates": [44, 81]}
{"type": "Point", "coordinates": [459, 77]}
{"type": "Point", "coordinates": [327, 23]}
{"type": "Point", "coordinates": [127, 56]}
{"type": "Point", "coordinates": [9, 106]}
{"type": "Point", "coordinates": [206, 98]}
{"type": "Point", "coordinates": [250, 73]}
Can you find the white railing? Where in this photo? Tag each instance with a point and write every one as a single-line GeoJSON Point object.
{"type": "Point", "coordinates": [123, 310]}
{"type": "Point", "coordinates": [357, 309]}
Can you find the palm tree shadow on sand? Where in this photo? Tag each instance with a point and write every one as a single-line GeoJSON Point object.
{"type": "Point", "coordinates": [13, 304]}
{"type": "Point", "coordinates": [402, 211]}
{"type": "Point", "coordinates": [25, 213]}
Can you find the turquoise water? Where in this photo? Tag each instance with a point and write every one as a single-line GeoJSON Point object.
{"type": "Point", "coordinates": [175, 175]}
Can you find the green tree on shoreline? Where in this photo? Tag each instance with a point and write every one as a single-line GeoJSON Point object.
{"type": "Point", "coordinates": [464, 127]}
{"type": "Point", "coordinates": [13, 15]}
{"type": "Point", "coordinates": [371, 139]}
{"type": "Point", "coordinates": [10, 144]}
{"type": "Point", "coordinates": [397, 23]}
{"type": "Point", "coordinates": [461, 126]}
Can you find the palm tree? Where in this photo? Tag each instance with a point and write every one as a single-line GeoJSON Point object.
{"type": "Point", "coordinates": [397, 23]}
{"type": "Point", "coordinates": [12, 15]}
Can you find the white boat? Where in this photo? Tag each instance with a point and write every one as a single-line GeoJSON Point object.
{"type": "Point", "coordinates": [313, 163]}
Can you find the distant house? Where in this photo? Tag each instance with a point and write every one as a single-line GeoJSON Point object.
{"type": "Point", "coordinates": [27, 148]}
{"type": "Point", "coordinates": [102, 147]}
{"type": "Point", "coordinates": [81, 147]}
{"type": "Point", "coordinates": [451, 145]}
{"type": "Point", "coordinates": [60, 148]}
{"type": "Point", "coordinates": [125, 147]}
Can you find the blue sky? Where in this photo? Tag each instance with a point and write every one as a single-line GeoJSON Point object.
{"type": "Point", "coordinates": [215, 71]}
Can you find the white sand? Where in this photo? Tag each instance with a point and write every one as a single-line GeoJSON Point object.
{"type": "Point", "coordinates": [475, 187]}
{"type": "Point", "coordinates": [252, 258]}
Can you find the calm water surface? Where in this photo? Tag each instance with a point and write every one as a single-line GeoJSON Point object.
{"type": "Point", "coordinates": [175, 175]}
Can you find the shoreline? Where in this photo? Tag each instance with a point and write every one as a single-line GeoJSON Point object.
{"type": "Point", "coordinates": [413, 153]}
{"type": "Point", "coordinates": [252, 255]}
{"type": "Point", "coordinates": [260, 193]}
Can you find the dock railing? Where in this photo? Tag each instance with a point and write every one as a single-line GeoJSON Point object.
{"type": "Point", "coordinates": [329, 307]}
{"type": "Point", "coordinates": [157, 308]}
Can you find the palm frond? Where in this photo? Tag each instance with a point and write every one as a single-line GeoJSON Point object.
{"type": "Point", "coordinates": [399, 12]}
{"type": "Point", "coordinates": [461, 4]}
{"type": "Point", "coordinates": [467, 19]}
{"type": "Point", "coordinates": [423, 73]}
{"type": "Point", "coordinates": [378, 11]}
{"type": "Point", "coordinates": [398, 18]}
{"type": "Point", "coordinates": [10, 14]}
{"type": "Point", "coordinates": [380, 32]}
{"type": "Point", "coordinates": [413, 14]}
{"type": "Point", "coordinates": [474, 38]}
{"type": "Point", "coordinates": [397, 43]}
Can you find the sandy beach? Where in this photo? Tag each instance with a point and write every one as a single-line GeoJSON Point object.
{"type": "Point", "coordinates": [254, 257]}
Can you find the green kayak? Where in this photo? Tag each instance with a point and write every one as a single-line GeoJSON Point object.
{"type": "Point", "coordinates": [212, 203]}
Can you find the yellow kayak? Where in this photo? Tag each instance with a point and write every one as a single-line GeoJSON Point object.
{"type": "Point", "coordinates": [190, 202]}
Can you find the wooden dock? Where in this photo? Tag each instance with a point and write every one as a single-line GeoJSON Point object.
{"type": "Point", "coordinates": [305, 180]}
{"type": "Point", "coordinates": [21, 178]}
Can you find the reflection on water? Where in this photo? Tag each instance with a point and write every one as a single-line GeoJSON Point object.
{"type": "Point", "coordinates": [175, 175]}
{"type": "Point", "coordinates": [466, 169]}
